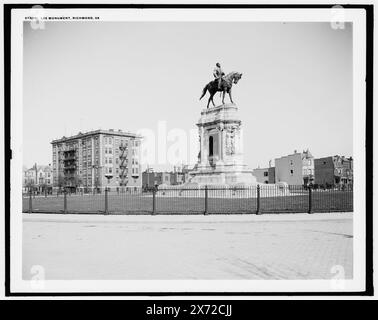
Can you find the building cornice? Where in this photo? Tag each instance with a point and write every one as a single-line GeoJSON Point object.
{"type": "Point", "coordinates": [96, 132]}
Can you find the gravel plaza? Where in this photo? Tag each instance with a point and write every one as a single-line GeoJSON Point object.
{"type": "Point", "coordinates": [270, 247]}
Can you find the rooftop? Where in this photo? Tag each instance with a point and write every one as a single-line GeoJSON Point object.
{"type": "Point", "coordinates": [95, 132]}
{"type": "Point", "coordinates": [304, 154]}
{"type": "Point", "coordinates": [39, 167]}
{"type": "Point", "coordinates": [345, 158]}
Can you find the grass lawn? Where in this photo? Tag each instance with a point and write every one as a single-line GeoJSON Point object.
{"type": "Point", "coordinates": [141, 203]}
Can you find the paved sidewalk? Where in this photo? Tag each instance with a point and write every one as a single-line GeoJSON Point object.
{"type": "Point", "coordinates": [270, 246]}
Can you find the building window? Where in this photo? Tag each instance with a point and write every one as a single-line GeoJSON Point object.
{"type": "Point", "coordinates": [265, 173]}
{"type": "Point", "coordinates": [291, 172]}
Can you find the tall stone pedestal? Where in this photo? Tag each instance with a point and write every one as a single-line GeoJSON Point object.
{"type": "Point", "coordinates": [220, 161]}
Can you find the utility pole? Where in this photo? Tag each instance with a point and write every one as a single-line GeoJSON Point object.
{"type": "Point", "coordinates": [36, 175]}
{"type": "Point", "coordinates": [148, 176]}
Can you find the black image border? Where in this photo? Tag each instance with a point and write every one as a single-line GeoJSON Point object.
{"type": "Point", "coordinates": [369, 10]}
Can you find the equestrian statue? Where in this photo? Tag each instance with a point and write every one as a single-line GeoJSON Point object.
{"type": "Point", "coordinates": [222, 83]}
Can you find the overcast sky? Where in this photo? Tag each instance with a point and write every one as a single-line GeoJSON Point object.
{"type": "Point", "coordinates": [295, 93]}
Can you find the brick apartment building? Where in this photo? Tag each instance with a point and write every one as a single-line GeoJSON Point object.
{"type": "Point", "coordinates": [98, 159]}
{"type": "Point", "coordinates": [334, 171]}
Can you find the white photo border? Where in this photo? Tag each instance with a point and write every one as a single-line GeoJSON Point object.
{"type": "Point", "coordinates": [355, 15]}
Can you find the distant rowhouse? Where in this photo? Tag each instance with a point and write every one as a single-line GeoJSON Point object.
{"type": "Point", "coordinates": [334, 171]}
{"type": "Point", "coordinates": [295, 169]}
{"type": "Point", "coordinates": [180, 175]}
{"type": "Point", "coordinates": [264, 175]}
{"type": "Point", "coordinates": [97, 159]}
{"type": "Point", "coordinates": [38, 178]}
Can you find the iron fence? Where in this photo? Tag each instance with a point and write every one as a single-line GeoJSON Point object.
{"type": "Point", "coordinates": [207, 200]}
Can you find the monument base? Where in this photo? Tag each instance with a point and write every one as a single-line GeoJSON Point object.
{"type": "Point", "coordinates": [225, 175]}
{"type": "Point", "coordinates": [220, 160]}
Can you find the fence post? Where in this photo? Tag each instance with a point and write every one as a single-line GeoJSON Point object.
{"type": "Point", "coordinates": [30, 202]}
{"type": "Point", "coordinates": [153, 201]}
{"type": "Point", "coordinates": [206, 201]}
{"type": "Point", "coordinates": [309, 199]}
{"type": "Point", "coordinates": [106, 201]}
{"type": "Point", "coordinates": [258, 200]}
{"type": "Point", "coordinates": [65, 200]}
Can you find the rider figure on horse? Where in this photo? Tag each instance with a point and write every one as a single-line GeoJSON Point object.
{"type": "Point", "coordinates": [218, 74]}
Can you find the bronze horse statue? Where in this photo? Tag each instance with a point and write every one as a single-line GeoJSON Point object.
{"type": "Point", "coordinates": [225, 87]}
